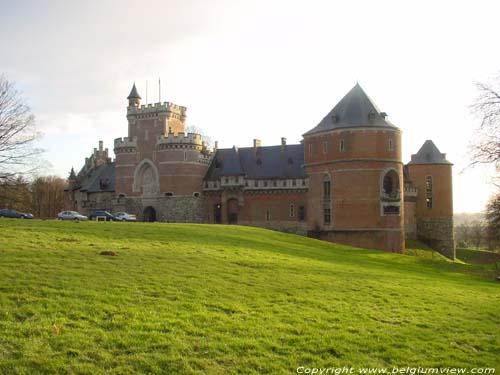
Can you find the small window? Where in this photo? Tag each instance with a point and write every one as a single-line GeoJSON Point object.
{"type": "Point", "coordinates": [391, 144]}
{"type": "Point", "coordinates": [196, 194]}
{"type": "Point", "coordinates": [169, 194]}
{"type": "Point", "coordinates": [327, 218]}
{"type": "Point", "coordinates": [428, 191]}
{"type": "Point", "coordinates": [292, 210]}
{"type": "Point", "coordinates": [310, 149]}
{"type": "Point", "coordinates": [265, 183]}
{"type": "Point", "coordinates": [303, 182]}
{"type": "Point", "coordinates": [268, 215]}
{"type": "Point", "coordinates": [185, 155]}
{"type": "Point", "coordinates": [326, 188]}
{"type": "Point", "coordinates": [226, 180]}
{"type": "Point", "coordinates": [325, 147]}
{"type": "Point", "coordinates": [342, 145]}
{"type": "Point", "coordinates": [302, 213]}
{"type": "Point", "coordinates": [294, 182]}
{"type": "Point", "coordinates": [256, 183]}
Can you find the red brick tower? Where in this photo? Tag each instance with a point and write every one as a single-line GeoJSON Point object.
{"type": "Point", "coordinates": [158, 163]}
{"type": "Point", "coordinates": [431, 173]}
{"type": "Point", "coordinates": [353, 159]}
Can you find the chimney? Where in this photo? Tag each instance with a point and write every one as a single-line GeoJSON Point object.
{"type": "Point", "coordinates": [256, 145]}
{"type": "Point", "coordinates": [283, 143]}
{"type": "Point", "coordinates": [100, 145]}
{"type": "Point", "coordinates": [216, 145]}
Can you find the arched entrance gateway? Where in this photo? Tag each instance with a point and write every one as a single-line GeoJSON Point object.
{"type": "Point", "coordinates": [149, 214]}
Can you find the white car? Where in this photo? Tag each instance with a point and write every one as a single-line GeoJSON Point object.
{"type": "Point", "coordinates": [123, 216]}
{"type": "Point", "coordinates": [71, 215]}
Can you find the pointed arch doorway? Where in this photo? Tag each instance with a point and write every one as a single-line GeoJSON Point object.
{"type": "Point", "coordinates": [149, 214]}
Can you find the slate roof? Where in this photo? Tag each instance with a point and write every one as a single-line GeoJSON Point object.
{"type": "Point", "coordinates": [101, 179]}
{"type": "Point", "coordinates": [429, 154]}
{"type": "Point", "coordinates": [133, 93]}
{"type": "Point", "coordinates": [263, 162]}
{"type": "Point", "coordinates": [356, 109]}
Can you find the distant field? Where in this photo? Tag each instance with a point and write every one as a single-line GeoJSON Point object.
{"type": "Point", "coordinates": [203, 299]}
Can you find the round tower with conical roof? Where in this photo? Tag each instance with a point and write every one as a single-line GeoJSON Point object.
{"type": "Point", "coordinates": [134, 99]}
{"type": "Point", "coordinates": [353, 159]}
{"type": "Point", "coordinates": [431, 173]}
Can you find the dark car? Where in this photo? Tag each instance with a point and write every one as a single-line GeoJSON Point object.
{"type": "Point", "coordinates": [15, 214]}
{"type": "Point", "coordinates": [102, 215]}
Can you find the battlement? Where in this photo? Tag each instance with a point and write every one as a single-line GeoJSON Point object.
{"type": "Point", "coordinates": [164, 107]}
{"type": "Point", "coordinates": [126, 142]}
{"type": "Point", "coordinates": [180, 138]}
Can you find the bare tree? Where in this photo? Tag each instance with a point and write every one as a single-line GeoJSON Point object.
{"type": "Point", "coordinates": [17, 133]}
{"type": "Point", "coordinates": [477, 233]}
{"type": "Point", "coordinates": [493, 222]}
{"type": "Point", "coordinates": [47, 195]}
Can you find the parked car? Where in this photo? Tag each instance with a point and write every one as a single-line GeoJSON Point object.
{"type": "Point", "coordinates": [123, 216]}
{"type": "Point", "coordinates": [71, 215]}
{"type": "Point", "coordinates": [15, 214]}
{"type": "Point", "coordinates": [105, 214]}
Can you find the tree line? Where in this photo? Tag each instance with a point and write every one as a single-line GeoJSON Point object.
{"type": "Point", "coordinates": [43, 196]}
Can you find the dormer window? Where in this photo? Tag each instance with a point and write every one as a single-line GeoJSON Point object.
{"type": "Point", "coordinates": [371, 116]}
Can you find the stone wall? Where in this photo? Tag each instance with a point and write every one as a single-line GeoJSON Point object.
{"type": "Point", "coordinates": [438, 234]}
{"type": "Point", "coordinates": [168, 209]}
{"type": "Point", "coordinates": [182, 210]}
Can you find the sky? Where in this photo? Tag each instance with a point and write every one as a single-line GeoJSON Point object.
{"type": "Point", "coordinates": [253, 69]}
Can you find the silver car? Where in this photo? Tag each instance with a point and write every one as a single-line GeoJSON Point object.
{"type": "Point", "coordinates": [123, 216]}
{"type": "Point", "coordinates": [71, 215]}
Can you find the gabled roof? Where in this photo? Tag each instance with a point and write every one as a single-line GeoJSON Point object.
{"type": "Point", "coordinates": [429, 154]}
{"type": "Point", "coordinates": [356, 109]}
{"type": "Point", "coordinates": [133, 93]}
{"type": "Point", "coordinates": [258, 163]}
{"type": "Point", "coordinates": [100, 179]}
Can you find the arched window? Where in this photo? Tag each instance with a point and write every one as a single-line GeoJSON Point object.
{"type": "Point", "coordinates": [428, 191]}
{"type": "Point", "coordinates": [391, 144]}
{"type": "Point", "coordinates": [390, 185]}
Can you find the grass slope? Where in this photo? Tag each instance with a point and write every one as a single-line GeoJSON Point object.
{"type": "Point", "coordinates": [202, 299]}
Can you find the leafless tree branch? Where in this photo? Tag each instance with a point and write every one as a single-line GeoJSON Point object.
{"type": "Point", "coordinates": [17, 133]}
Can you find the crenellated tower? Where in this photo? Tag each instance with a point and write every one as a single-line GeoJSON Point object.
{"type": "Point", "coordinates": [158, 159]}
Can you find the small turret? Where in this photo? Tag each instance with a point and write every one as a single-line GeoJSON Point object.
{"type": "Point", "coordinates": [134, 99]}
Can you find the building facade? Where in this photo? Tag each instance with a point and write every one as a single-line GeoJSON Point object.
{"type": "Point", "coordinates": [345, 182]}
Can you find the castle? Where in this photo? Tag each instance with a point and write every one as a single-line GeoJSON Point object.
{"type": "Point", "coordinates": [345, 182]}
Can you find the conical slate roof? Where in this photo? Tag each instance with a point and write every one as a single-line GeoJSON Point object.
{"type": "Point", "coordinates": [356, 109]}
{"type": "Point", "coordinates": [429, 154]}
{"type": "Point", "coordinates": [133, 93]}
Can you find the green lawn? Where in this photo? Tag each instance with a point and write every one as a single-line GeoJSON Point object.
{"type": "Point", "coordinates": [203, 299]}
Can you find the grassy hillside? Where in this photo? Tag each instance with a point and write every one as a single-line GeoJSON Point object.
{"type": "Point", "coordinates": [201, 299]}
